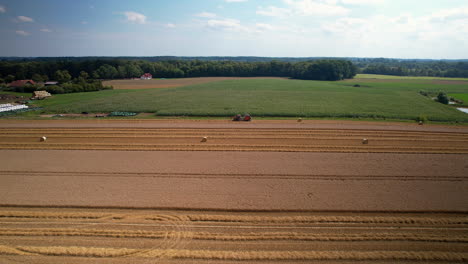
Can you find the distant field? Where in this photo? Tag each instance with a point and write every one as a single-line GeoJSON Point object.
{"type": "Point", "coordinates": [271, 98]}
{"type": "Point", "coordinates": [171, 83]}
{"type": "Point", "coordinates": [391, 77]}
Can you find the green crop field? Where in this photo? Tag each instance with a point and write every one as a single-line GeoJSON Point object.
{"type": "Point", "coordinates": [461, 96]}
{"type": "Point", "coordinates": [391, 77]}
{"type": "Point", "coordinates": [272, 98]}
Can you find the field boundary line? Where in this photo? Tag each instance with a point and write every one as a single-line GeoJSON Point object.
{"type": "Point", "coordinates": [235, 175]}
{"type": "Point", "coordinates": [190, 209]}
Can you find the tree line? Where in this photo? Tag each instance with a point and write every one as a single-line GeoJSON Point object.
{"type": "Point", "coordinates": [43, 69]}
{"type": "Point", "coordinates": [415, 68]}
{"type": "Point", "coordinates": [66, 70]}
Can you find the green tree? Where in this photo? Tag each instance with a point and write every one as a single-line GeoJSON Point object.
{"type": "Point", "coordinates": [95, 75]}
{"type": "Point", "coordinates": [62, 76]}
{"type": "Point", "coordinates": [84, 75]}
{"type": "Point", "coordinates": [37, 78]}
{"type": "Point", "coordinates": [107, 71]}
{"type": "Point", "coordinates": [133, 70]}
{"type": "Point", "coordinates": [10, 78]}
{"type": "Point", "coordinates": [442, 98]}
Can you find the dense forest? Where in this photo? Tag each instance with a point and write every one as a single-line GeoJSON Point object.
{"type": "Point", "coordinates": [43, 69]}
{"type": "Point", "coordinates": [437, 68]}
{"type": "Point", "coordinates": [65, 70]}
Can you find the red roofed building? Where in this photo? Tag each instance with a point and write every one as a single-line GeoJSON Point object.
{"type": "Point", "coordinates": [21, 83]}
{"type": "Point", "coordinates": [146, 76]}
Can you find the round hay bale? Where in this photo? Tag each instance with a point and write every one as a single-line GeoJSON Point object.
{"type": "Point", "coordinates": [299, 120]}
{"type": "Point", "coordinates": [43, 139]}
{"type": "Point", "coordinates": [204, 139]}
{"type": "Point", "coordinates": [420, 123]}
{"type": "Point", "coordinates": [365, 141]}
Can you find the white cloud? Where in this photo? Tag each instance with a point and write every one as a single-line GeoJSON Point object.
{"type": "Point", "coordinates": [235, 1]}
{"type": "Point", "coordinates": [2, 9]}
{"type": "Point", "coordinates": [170, 25]}
{"type": "Point", "coordinates": [134, 17]}
{"type": "Point", "coordinates": [264, 27]}
{"type": "Point", "coordinates": [46, 30]}
{"type": "Point", "coordinates": [225, 24]}
{"type": "Point", "coordinates": [273, 11]}
{"type": "Point", "coordinates": [305, 8]}
{"type": "Point", "coordinates": [206, 15]}
{"type": "Point", "coordinates": [25, 19]}
{"type": "Point", "coordinates": [450, 14]}
{"type": "Point", "coordinates": [22, 33]}
{"type": "Point", "coordinates": [363, 2]}
{"type": "Point", "coordinates": [317, 8]}
{"type": "Point", "coordinates": [345, 25]}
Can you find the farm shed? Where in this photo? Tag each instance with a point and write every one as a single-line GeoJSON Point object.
{"type": "Point", "coordinates": [50, 83]}
{"type": "Point", "coordinates": [21, 83]}
{"type": "Point", "coordinates": [146, 76]}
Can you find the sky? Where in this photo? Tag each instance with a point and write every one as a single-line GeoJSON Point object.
{"type": "Point", "coordinates": [425, 29]}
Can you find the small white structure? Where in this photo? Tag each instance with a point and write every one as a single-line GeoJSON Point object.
{"type": "Point", "coordinates": [11, 107]}
{"type": "Point", "coordinates": [146, 76]}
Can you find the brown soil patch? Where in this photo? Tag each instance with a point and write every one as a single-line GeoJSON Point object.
{"type": "Point", "coordinates": [171, 83]}
{"type": "Point", "coordinates": [228, 124]}
{"type": "Point", "coordinates": [8, 98]}
{"type": "Point", "coordinates": [449, 82]}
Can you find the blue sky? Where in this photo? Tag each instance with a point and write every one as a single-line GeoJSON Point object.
{"type": "Point", "coordinates": [435, 29]}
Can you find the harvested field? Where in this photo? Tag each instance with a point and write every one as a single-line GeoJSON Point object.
{"type": "Point", "coordinates": [210, 236]}
{"type": "Point", "coordinates": [235, 139]}
{"type": "Point", "coordinates": [172, 83]}
{"type": "Point", "coordinates": [271, 192]}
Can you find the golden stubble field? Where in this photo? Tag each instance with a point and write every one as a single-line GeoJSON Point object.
{"type": "Point", "coordinates": [267, 191]}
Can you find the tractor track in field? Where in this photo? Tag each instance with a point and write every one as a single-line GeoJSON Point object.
{"type": "Point", "coordinates": [232, 236]}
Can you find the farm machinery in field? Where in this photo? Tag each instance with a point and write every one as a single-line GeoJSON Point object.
{"type": "Point", "coordinates": [239, 117]}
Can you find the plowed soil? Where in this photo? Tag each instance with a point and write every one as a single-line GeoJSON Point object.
{"type": "Point", "coordinates": [270, 192]}
{"type": "Point", "coordinates": [172, 83]}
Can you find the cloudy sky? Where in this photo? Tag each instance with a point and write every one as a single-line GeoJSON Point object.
{"type": "Point", "coordinates": [435, 29]}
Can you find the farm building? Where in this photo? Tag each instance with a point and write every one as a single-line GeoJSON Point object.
{"type": "Point", "coordinates": [146, 76]}
{"type": "Point", "coordinates": [50, 83]}
{"type": "Point", "coordinates": [21, 83]}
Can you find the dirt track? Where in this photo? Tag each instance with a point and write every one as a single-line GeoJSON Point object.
{"type": "Point", "coordinates": [264, 191]}
{"type": "Point", "coordinates": [172, 83]}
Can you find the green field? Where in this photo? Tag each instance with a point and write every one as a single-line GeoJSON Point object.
{"type": "Point", "coordinates": [461, 96]}
{"type": "Point", "coordinates": [271, 98]}
{"type": "Point", "coordinates": [392, 77]}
